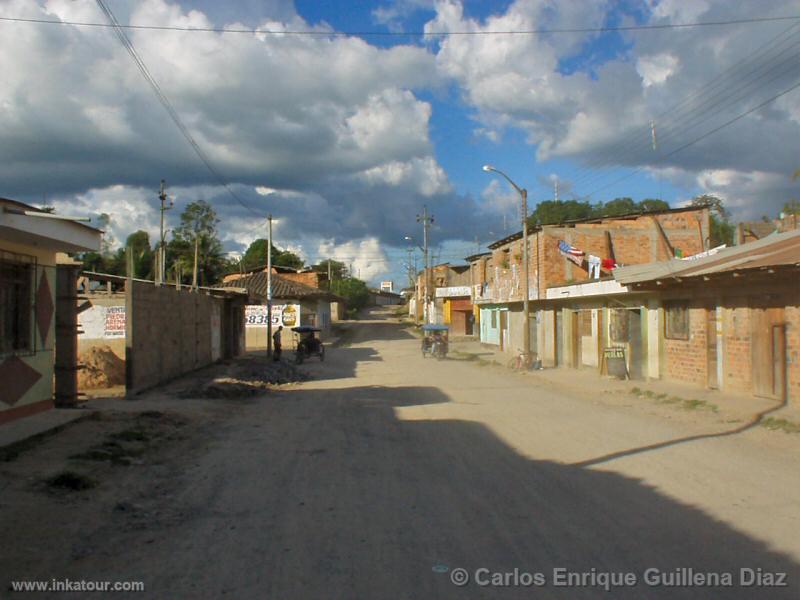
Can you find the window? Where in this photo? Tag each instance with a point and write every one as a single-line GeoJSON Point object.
{"type": "Point", "coordinates": [676, 324]}
{"type": "Point", "coordinates": [494, 319]}
{"type": "Point", "coordinates": [16, 303]}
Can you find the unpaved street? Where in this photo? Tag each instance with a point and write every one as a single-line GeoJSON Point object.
{"type": "Point", "coordinates": [386, 472]}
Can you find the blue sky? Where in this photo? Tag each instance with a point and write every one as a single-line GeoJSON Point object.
{"type": "Point", "coordinates": [344, 139]}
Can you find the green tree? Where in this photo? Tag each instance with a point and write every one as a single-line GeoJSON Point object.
{"type": "Point", "coordinates": [139, 243]}
{"type": "Point", "coordinates": [617, 206]}
{"type": "Point", "coordinates": [722, 229]}
{"type": "Point", "coordinates": [353, 290]}
{"type": "Point", "coordinates": [338, 269]}
{"type": "Point", "coordinates": [256, 256]}
{"type": "Point", "coordinates": [652, 204]}
{"type": "Point", "coordinates": [198, 226]}
{"type": "Point", "coordinates": [549, 212]}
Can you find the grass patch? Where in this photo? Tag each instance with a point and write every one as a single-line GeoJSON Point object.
{"type": "Point", "coordinates": [699, 405]}
{"type": "Point", "coordinates": [70, 480]}
{"type": "Point", "coordinates": [670, 400]}
{"type": "Point", "coordinates": [784, 425]}
{"type": "Point", "coordinates": [636, 391]}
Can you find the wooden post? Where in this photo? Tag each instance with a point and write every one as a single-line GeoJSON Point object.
{"type": "Point", "coordinates": [66, 350]}
{"type": "Point", "coordinates": [194, 273]}
{"type": "Point", "coordinates": [129, 353]}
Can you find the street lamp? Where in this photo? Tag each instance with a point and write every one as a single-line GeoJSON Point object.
{"type": "Point", "coordinates": [523, 193]}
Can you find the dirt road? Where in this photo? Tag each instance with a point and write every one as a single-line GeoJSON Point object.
{"type": "Point", "coordinates": [388, 472]}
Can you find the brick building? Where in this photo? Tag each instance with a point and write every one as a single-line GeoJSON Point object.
{"type": "Point", "coordinates": [450, 298]}
{"type": "Point", "coordinates": [561, 255]}
{"type": "Point", "coordinates": [730, 321]}
{"type": "Point", "coordinates": [293, 304]}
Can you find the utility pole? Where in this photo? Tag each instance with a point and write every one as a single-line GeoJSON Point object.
{"type": "Point", "coordinates": [162, 254]}
{"type": "Point", "coordinates": [194, 273]}
{"type": "Point", "coordinates": [426, 221]}
{"type": "Point", "coordinates": [269, 286]}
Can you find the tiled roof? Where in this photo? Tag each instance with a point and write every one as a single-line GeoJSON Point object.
{"type": "Point", "coordinates": [282, 288]}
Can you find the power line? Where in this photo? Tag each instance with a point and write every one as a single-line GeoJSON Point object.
{"type": "Point", "coordinates": [704, 136]}
{"type": "Point", "coordinates": [322, 33]}
{"type": "Point", "coordinates": [719, 87]}
{"type": "Point", "coordinates": [162, 98]}
{"type": "Point", "coordinates": [730, 98]}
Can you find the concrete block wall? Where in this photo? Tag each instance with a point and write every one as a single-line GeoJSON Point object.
{"type": "Point", "coordinates": [169, 333]}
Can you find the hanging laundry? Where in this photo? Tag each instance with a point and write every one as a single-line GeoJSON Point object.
{"type": "Point", "coordinates": [570, 252]}
{"type": "Point", "coordinates": [608, 264]}
{"type": "Point", "coordinates": [594, 266]}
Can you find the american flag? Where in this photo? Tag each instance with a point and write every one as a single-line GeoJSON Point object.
{"type": "Point", "coordinates": [570, 252]}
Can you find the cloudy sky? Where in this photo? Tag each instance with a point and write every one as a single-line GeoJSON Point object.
{"type": "Point", "coordinates": [343, 134]}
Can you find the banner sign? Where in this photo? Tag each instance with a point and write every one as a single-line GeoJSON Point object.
{"type": "Point", "coordinates": [288, 315]}
{"type": "Point", "coordinates": [102, 322]}
{"type": "Point", "coordinates": [453, 292]}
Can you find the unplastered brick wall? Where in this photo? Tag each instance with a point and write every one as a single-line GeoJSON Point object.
{"type": "Point", "coordinates": [635, 241]}
{"type": "Point", "coordinates": [736, 340]}
{"type": "Point", "coordinates": [309, 278]}
{"type": "Point", "coordinates": [792, 315]}
{"type": "Point", "coordinates": [686, 360]}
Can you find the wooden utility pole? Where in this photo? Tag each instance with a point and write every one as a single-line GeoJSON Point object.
{"type": "Point", "coordinates": [161, 269]}
{"type": "Point", "coordinates": [194, 273]}
{"type": "Point", "coordinates": [269, 286]}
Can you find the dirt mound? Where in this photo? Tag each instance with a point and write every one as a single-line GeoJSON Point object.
{"type": "Point", "coordinates": [101, 368]}
{"type": "Point", "coordinates": [245, 380]}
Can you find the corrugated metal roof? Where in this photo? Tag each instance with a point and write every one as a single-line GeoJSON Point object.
{"type": "Point", "coordinates": [282, 288]}
{"type": "Point", "coordinates": [778, 249]}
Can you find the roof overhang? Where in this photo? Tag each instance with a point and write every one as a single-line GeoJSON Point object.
{"type": "Point", "coordinates": [57, 234]}
{"type": "Point", "coordinates": [605, 287]}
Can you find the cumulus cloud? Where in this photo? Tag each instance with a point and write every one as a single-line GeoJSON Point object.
{"type": "Point", "coordinates": [278, 111]}
{"type": "Point", "coordinates": [689, 81]}
{"type": "Point", "coordinates": [364, 258]}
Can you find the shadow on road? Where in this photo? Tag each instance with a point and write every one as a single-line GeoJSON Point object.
{"type": "Point", "coordinates": [753, 422]}
{"type": "Point", "coordinates": [397, 501]}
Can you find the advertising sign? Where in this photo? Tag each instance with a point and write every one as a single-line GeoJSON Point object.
{"type": "Point", "coordinates": [288, 315]}
{"type": "Point", "coordinates": [102, 322]}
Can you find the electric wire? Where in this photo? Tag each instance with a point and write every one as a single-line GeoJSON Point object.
{"type": "Point", "coordinates": [165, 102]}
{"type": "Point", "coordinates": [669, 129]}
{"type": "Point", "coordinates": [424, 34]}
{"type": "Point", "coordinates": [704, 136]}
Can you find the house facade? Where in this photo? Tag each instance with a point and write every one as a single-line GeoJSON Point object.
{"type": "Point", "coordinates": [30, 239]}
{"type": "Point", "coordinates": [586, 250]}
{"type": "Point", "coordinates": [293, 304]}
{"type": "Point", "coordinates": [729, 321]}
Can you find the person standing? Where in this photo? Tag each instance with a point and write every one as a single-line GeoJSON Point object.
{"type": "Point", "coordinates": [276, 344]}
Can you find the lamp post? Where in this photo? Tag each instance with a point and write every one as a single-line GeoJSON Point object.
{"type": "Point", "coordinates": [523, 193]}
{"type": "Point", "coordinates": [426, 220]}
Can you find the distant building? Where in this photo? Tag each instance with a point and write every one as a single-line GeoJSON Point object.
{"type": "Point", "coordinates": [383, 298]}
{"type": "Point", "coordinates": [387, 286]}
{"type": "Point", "coordinates": [293, 304]}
